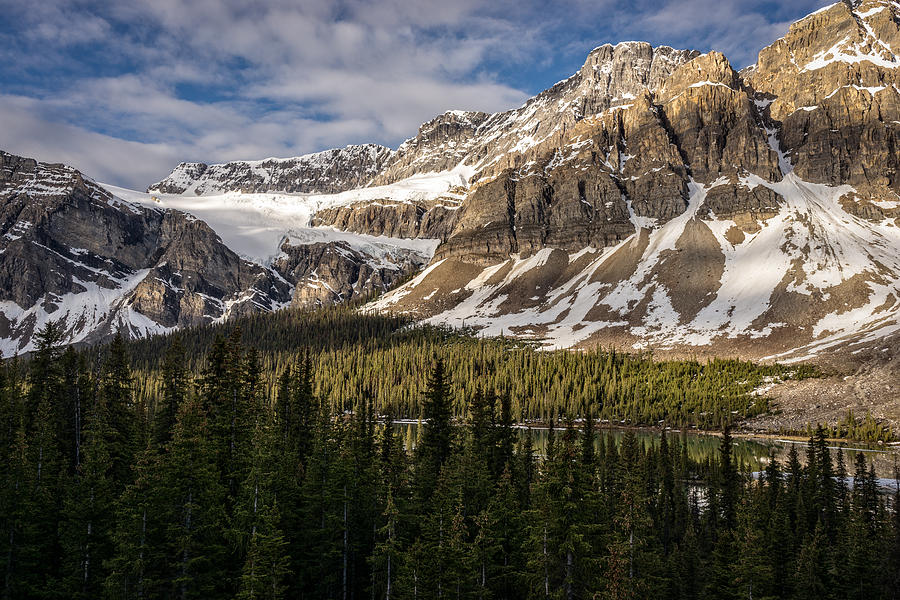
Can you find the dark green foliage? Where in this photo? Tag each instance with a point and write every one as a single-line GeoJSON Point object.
{"type": "Point", "coordinates": [265, 464]}
{"type": "Point", "coordinates": [87, 518]}
{"type": "Point", "coordinates": [346, 349]}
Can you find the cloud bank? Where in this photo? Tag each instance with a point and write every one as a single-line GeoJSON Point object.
{"type": "Point", "coordinates": [124, 91]}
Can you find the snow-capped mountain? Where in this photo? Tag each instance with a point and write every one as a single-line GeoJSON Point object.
{"type": "Point", "coordinates": [325, 172]}
{"type": "Point", "coordinates": [655, 199]}
{"type": "Point", "coordinates": [101, 259]}
{"type": "Point", "coordinates": [72, 252]}
{"type": "Point", "coordinates": [719, 212]}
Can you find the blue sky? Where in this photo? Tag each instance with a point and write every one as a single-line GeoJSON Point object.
{"type": "Point", "coordinates": [126, 90]}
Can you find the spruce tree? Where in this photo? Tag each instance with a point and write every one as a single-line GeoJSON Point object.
{"type": "Point", "coordinates": [139, 568]}
{"type": "Point", "coordinates": [86, 528]}
{"type": "Point", "coordinates": [385, 560]}
{"type": "Point", "coordinates": [174, 392]}
{"type": "Point", "coordinates": [437, 434]}
{"type": "Point", "coordinates": [256, 526]}
{"type": "Point", "coordinates": [125, 420]}
{"type": "Point", "coordinates": [193, 509]}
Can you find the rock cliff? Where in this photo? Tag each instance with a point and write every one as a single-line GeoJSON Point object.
{"type": "Point", "coordinates": [657, 198]}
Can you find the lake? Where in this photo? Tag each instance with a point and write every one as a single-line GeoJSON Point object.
{"type": "Point", "coordinates": [749, 452]}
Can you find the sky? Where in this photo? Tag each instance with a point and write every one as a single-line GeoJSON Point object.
{"type": "Point", "coordinates": [124, 91]}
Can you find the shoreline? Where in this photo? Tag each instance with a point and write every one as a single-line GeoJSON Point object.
{"type": "Point", "coordinates": [884, 447]}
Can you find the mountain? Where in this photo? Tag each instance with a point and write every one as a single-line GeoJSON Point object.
{"type": "Point", "coordinates": [71, 251]}
{"type": "Point", "coordinates": [327, 172]}
{"type": "Point", "coordinates": [656, 199]}
{"type": "Point", "coordinates": [744, 213]}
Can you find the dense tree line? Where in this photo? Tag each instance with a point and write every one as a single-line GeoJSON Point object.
{"type": "Point", "coordinates": [218, 489]}
{"type": "Point", "coordinates": [862, 429]}
{"type": "Point", "coordinates": [347, 348]}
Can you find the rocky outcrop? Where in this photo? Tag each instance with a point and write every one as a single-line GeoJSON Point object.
{"type": "Point", "coordinates": [327, 273]}
{"type": "Point", "coordinates": [427, 219]}
{"type": "Point", "coordinates": [72, 252]}
{"type": "Point", "coordinates": [325, 172]}
{"type": "Point", "coordinates": [714, 122]}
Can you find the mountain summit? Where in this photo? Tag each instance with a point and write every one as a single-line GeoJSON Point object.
{"type": "Point", "coordinates": [657, 198]}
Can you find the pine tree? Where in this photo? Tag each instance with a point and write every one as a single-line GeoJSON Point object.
{"type": "Point", "coordinates": [754, 577]}
{"type": "Point", "coordinates": [76, 398]}
{"type": "Point", "coordinates": [139, 565]}
{"type": "Point", "coordinates": [892, 559]}
{"type": "Point", "coordinates": [505, 437]}
{"type": "Point", "coordinates": [810, 580]}
{"type": "Point", "coordinates": [499, 542]}
{"type": "Point", "coordinates": [459, 557]}
{"type": "Point", "coordinates": [411, 581]}
{"type": "Point", "coordinates": [319, 545]}
{"type": "Point", "coordinates": [728, 482]}
{"type": "Point", "coordinates": [86, 527]}
{"type": "Point", "coordinates": [174, 393]}
{"type": "Point", "coordinates": [38, 551]}
{"type": "Point", "coordinates": [45, 375]}
{"type": "Point", "coordinates": [437, 434]}
{"type": "Point", "coordinates": [193, 510]}
{"type": "Point", "coordinates": [588, 439]}
{"type": "Point", "coordinates": [256, 522]}
{"type": "Point", "coordinates": [385, 559]}
{"type": "Point", "coordinates": [15, 498]}
{"type": "Point", "coordinates": [630, 568]}
{"type": "Point", "coordinates": [266, 565]}
{"type": "Point", "coordinates": [125, 420]}
{"type": "Point", "coordinates": [223, 400]}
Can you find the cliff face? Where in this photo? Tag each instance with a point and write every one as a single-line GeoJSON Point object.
{"type": "Point", "coordinates": [656, 198]}
{"type": "Point", "coordinates": [72, 252]}
{"type": "Point", "coordinates": [621, 167]}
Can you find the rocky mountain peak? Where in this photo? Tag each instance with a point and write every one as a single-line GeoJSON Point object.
{"type": "Point", "coordinates": [453, 119]}
{"type": "Point", "coordinates": [329, 172]}
{"type": "Point", "coordinates": [710, 69]}
{"type": "Point", "coordinates": [611, 77]}
{"type": "Point", "coordinates": [614, 73]}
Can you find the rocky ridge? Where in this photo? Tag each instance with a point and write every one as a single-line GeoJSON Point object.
{"type": "Point", "coordinates": [326, 172]}
{"type": "Point", "coordinates": [611, 78]}
{"type": "Point", "coordinates": [655, 199]}
{"type": "Point", "coordinates": [73, 253]}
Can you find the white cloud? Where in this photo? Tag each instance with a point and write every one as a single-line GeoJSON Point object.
{"type": "Point", "coordinates": [102, 157]}
{"type": "Point", "coordinates": [124, 90]}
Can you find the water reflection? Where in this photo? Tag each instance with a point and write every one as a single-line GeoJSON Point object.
{"type": "Point", "coordinates": [751, 453]}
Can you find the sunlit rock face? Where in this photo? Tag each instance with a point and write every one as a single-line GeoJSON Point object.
{"type": "Point", "coordinates": [656, 199]}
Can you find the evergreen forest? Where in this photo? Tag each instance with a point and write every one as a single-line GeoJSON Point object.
{"type": "Point", "coordinates": [221, 463]}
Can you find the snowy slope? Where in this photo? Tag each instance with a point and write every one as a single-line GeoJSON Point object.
{"type": "Point", "coordinates": [840, 273]}
{"type": "Point", "coordinates": [256, 225]}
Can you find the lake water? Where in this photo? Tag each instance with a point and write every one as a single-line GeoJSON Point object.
{"type": "Point", "coordinates": [749, 452]}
